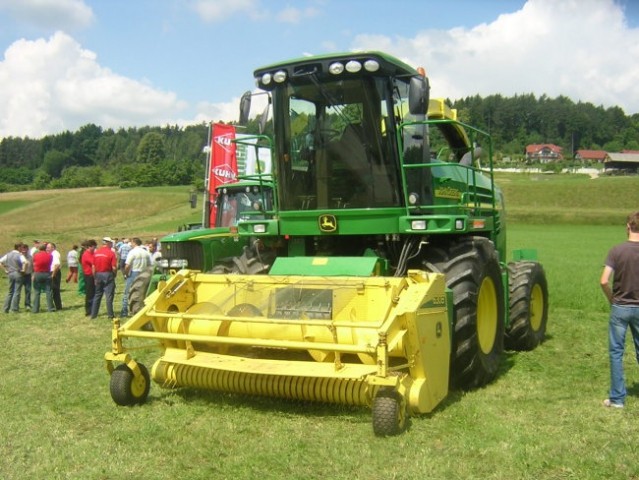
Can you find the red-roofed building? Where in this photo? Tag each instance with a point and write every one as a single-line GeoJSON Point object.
{"type": "Point", "coordinates": [543, 153]}
{"type": "Point", "coordinates": [591, 155]}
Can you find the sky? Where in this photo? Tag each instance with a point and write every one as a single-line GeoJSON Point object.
{"type": "Point", "coordinates": [132, 63]}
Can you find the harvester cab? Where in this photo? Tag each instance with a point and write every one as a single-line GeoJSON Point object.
{"type": "Point", "coordinates": [379, 276]}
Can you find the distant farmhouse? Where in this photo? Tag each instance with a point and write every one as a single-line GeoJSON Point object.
{"type": "Point", "coordinates": [622, 162]}
{"type": "Point", "coordinates": [543, 153]}
{"type": "Point", "coordinates": [591, 155]}
{"type": "Point", "coordinates": [626, 161]}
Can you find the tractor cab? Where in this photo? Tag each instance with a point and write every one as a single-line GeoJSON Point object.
{"type": "Point", "coordinates": [357, 138]}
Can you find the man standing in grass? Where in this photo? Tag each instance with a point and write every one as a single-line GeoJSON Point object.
{"type": "Point", "coordinates": [86, 260]}
{"type": "Point", "coordinates": [27, 275]}
{"type": "Point", "coordinates": [622, 264]}
{"type": "Point", "coordinates": [56, 275]}
{"type": "Point", "coordinates": [137, 260]}
{"type": "Point", "coordinates": [105, 267]}
{"type": "Point", "coordinates": [13, 263]}
{"type": "Point", "coordinates": [42, 278]}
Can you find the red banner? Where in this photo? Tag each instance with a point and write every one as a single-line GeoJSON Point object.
{"type": "Point", "coordinates": [223, 162]}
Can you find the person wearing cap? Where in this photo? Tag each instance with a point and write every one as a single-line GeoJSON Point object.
{"type": "Point", "coordinates": [104, 269]}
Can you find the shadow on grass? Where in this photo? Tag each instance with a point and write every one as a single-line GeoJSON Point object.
{"type": "Point", "coordinates": [305, 408]}
{"type": "Point", "coordinates": [634, 389]}
{"type": "Point", "coordinates": [260, 403]}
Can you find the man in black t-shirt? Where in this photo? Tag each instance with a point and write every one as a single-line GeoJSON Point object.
{"type": "Point", "coordinates": [622, 265]}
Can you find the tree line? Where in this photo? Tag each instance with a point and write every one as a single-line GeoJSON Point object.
{"type": "Point", "coordinates": [522, 120]}
{"type": "Point", "coordinates": [173, 155]}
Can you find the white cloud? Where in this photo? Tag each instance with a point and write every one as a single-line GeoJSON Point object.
{"type": "Point", "coordinates": [220, 10]}
{"type": "Point", "coordinates": [225, 112]}
{"type": "Point", "coordinates": [296, 15]}
{"type": "Point", "coordinates": [50, 14]}
{"type": "Point", "coordinates": [582, 49]}
{"type": "Point", "coordinates": [228, 111]}
{"type": "Point", "coordinates": [54, 85]}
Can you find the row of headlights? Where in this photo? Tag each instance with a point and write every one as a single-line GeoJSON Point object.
{"type": "Point", "coordinates": [422, 224]}
{"type": "Point", "coordinates": [176, 263]}
{"type": "Point", "coordinates": [335, 68]}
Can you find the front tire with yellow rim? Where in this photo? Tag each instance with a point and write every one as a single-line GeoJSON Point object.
{"type": "Point", "coordinates": [473, 273]}
{"type": "Point", "coordinates": [528, 306]}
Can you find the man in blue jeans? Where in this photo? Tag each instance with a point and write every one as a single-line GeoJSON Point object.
{"type": "Point", "coordinates": [13, 264]}
{"type": "Point", "coordinates": [622, 265]}
{"type": "Point", "coordinates": [104, 269]}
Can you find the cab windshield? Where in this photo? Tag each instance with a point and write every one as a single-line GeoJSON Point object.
{"type": "Point", "coordinates": [247, 203]}
{"type": "Point", "coordinates": [338, 150]}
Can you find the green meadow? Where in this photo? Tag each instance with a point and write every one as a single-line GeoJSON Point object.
{"type": "Point", "coordinates": [540, 419]}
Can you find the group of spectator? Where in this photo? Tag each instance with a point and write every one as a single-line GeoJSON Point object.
{"type": "Point", "coordinates": [38, 269]}
{"type": "Point", "coordinates": [100, 267]}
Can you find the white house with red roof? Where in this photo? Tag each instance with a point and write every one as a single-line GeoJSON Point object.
{"type": "Point", "coordinates": [543, 153]}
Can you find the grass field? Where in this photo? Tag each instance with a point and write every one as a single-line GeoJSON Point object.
{"type": "Point", "coordinates": [71, 216]}
{"type": "Point", "coordinates": [541, 419]}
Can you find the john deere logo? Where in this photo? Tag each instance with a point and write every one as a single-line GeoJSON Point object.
{"type": "Point", "coordinates": [327, 223]}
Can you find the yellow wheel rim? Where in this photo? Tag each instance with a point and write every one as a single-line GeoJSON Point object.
{"type": "Point", "coordinates": [487, 312]}
{"type": "Point", "coordinates": [138, 386]}
{"type": "Point", "coordinates": [536, 307]}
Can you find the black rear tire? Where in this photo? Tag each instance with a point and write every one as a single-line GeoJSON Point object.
{"type": "Point", "coordinates": [528, 306]}
{"type": "Point", "coordinates": [473, 273]}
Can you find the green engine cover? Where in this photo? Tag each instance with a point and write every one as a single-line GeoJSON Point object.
{"type": "Point", "coordinates": [328, 266]}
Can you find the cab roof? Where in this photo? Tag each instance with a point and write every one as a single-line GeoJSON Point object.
{"type": "Point", "coordinates": [389, 65]}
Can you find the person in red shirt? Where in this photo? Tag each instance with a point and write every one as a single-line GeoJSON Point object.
{"type": "Point", "coordinates": [42, 278]}
{"type": "Point", "coordinates": [104, 269]}
{"type": "Point", "coordinates": [86, 262]}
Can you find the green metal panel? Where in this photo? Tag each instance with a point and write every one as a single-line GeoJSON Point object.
{"type": "Point", "coordinates": [326, 266]}
{"type": "Point", "coordinates": [342, 221]}
{"type": "Point", "coordinates": [525, 254]}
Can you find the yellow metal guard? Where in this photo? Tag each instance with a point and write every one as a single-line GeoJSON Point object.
{"type": "Point", "coordinates": [328, 339]}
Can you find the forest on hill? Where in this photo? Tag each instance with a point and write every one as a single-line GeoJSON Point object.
{"type": "Point", "coordinates": [173, 155]}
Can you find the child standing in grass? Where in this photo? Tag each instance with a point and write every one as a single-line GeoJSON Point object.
{"type": "Point", "coordinates": [73, 261]}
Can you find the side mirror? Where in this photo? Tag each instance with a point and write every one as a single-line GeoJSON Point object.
{"type": "Point", "coordinates": [418, 95]}
{"type": "Point", "coordinates": [193, 199]}
{"type": "Point", "coordinates": [245, 108]}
